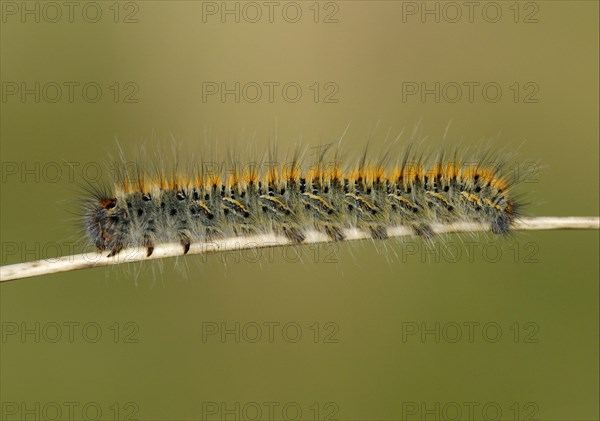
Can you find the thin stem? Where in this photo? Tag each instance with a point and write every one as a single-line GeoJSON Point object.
{"type": "Point", "coordinates": [92, 260]}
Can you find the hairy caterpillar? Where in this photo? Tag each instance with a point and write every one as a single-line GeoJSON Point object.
{"type": "Point", "coordinates": [211, 201]}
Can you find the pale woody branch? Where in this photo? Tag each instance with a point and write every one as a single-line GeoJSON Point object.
{"type": "Point", "coordinates": [94, 259]}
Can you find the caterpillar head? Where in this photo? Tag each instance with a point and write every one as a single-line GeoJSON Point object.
{"type": "Point", "coordinates": [106, 224]}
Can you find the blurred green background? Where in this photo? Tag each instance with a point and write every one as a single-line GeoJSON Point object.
{"type": "Point", "coordinates": [500, 329]}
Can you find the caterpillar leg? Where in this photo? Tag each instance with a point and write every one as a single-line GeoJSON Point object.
{"type": "Point", "coordinates": [185, 242]}
{"type": "Point", "coordinates": [501, 225]}
{"type": "Point", "coordinates": [378, 232]}
{"type": "Point", "coordinates": [149, 246]}
{"type": "Point", "coordinates": [115, 250]}
{"type": "Point", "coordinates": [293, 234]}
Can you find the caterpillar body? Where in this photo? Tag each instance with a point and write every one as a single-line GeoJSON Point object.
{"type": "Point", "coordinates": [210, 202]}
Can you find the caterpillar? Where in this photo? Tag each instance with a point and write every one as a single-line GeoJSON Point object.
{"type": "Point", "coordinates": [211, 201]}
